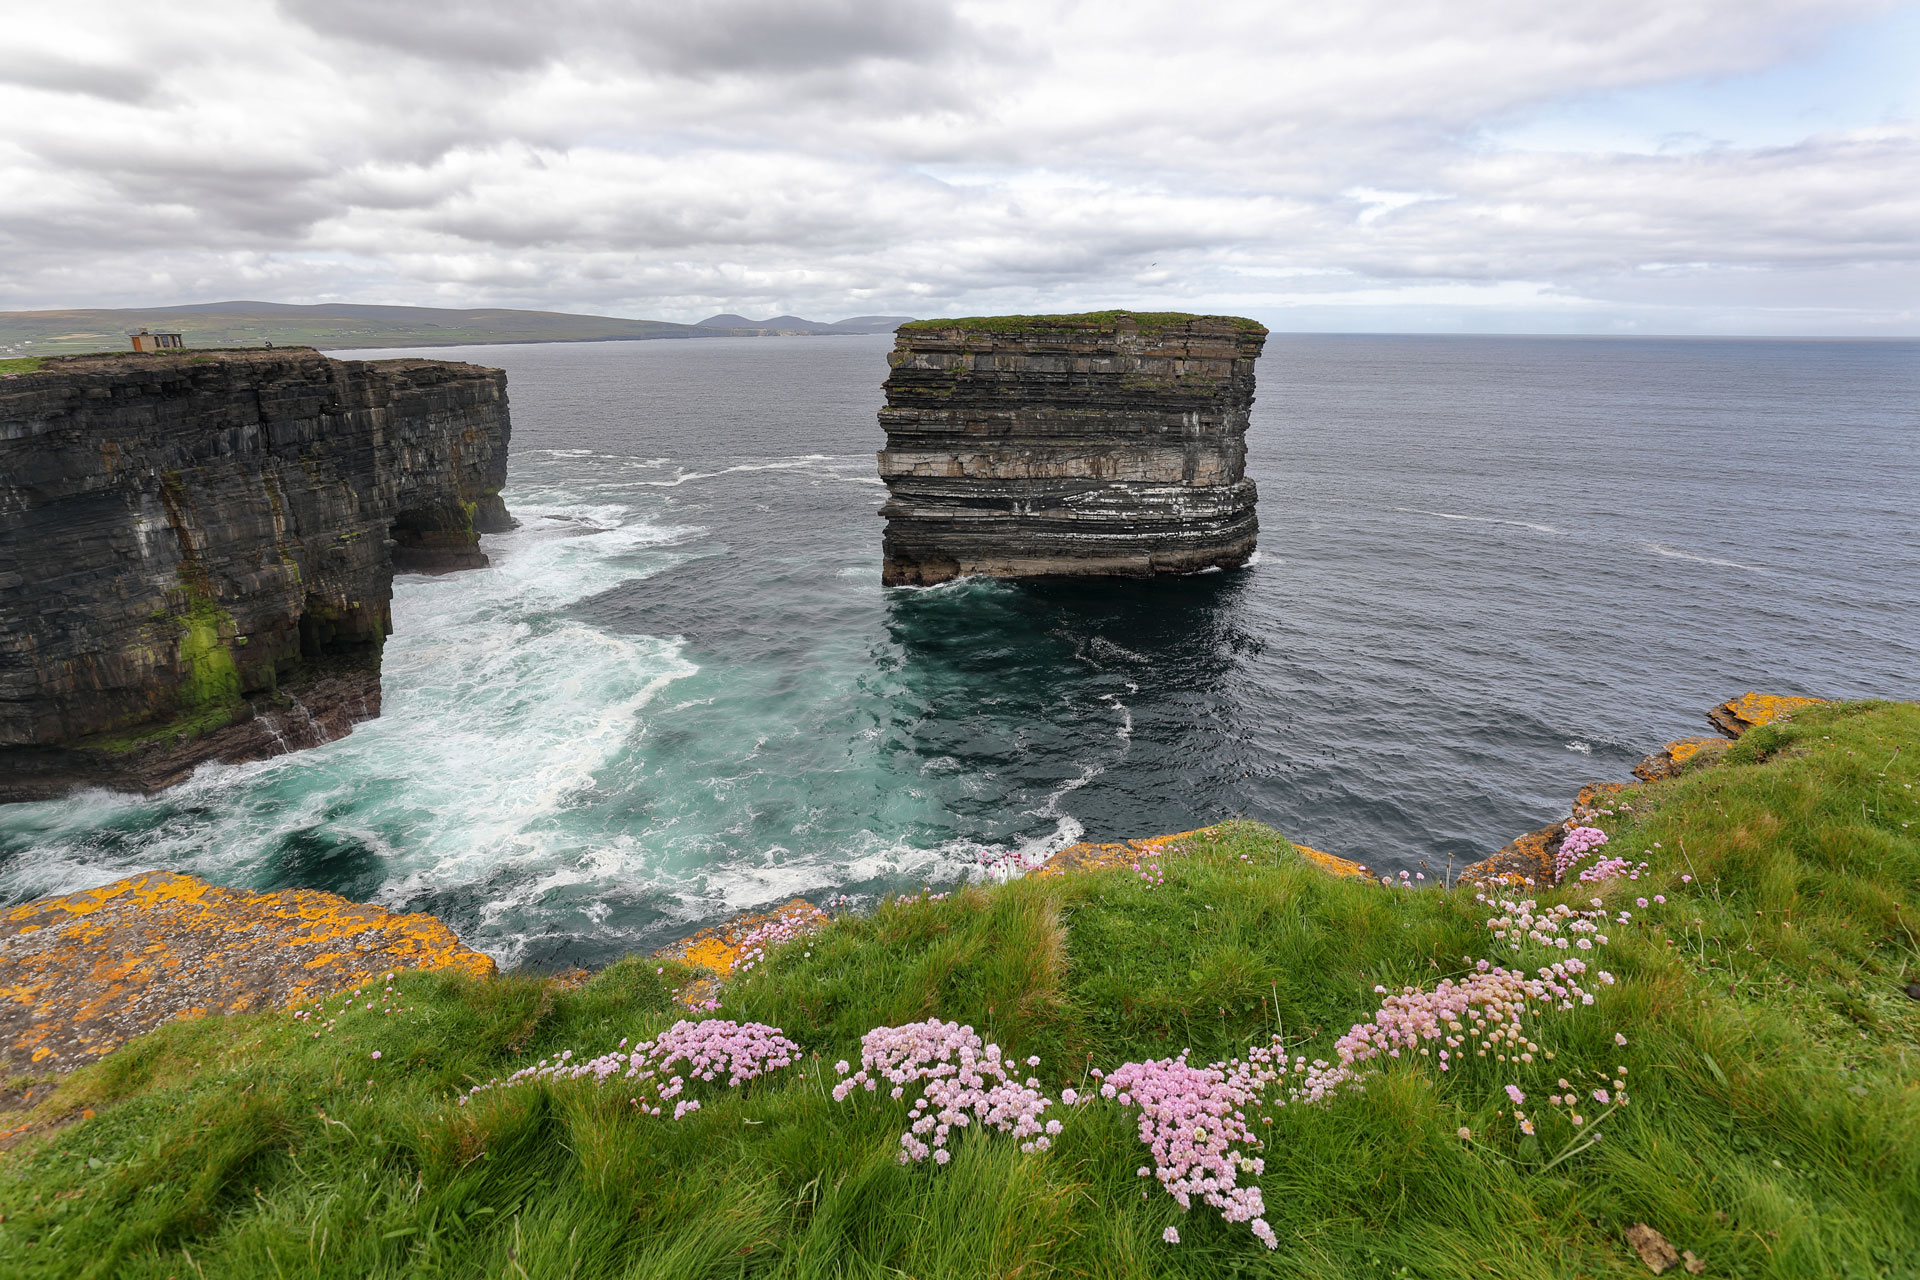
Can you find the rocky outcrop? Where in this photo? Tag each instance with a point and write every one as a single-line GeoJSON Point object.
{"type": "Point", "coordinates": [197, 549]}
{"type": "Point", "coordinates": [1732, 718]}
{"type": "Point", "coordinates": [81, 973]}
{"type": "Point", "coordinates": [1107, 443]}
{"type": "Point", "coordinates": [1751, 710]}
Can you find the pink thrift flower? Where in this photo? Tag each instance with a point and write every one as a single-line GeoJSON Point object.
{"type": "Point", "coordinates": [376, 1055]}
{"type": "Point", "coordinates": [1170, 1235]}
{"type": "Point", "coordinates": [1619, 1038]}
{"type": "Point", "coordinates": [1513, 1091]}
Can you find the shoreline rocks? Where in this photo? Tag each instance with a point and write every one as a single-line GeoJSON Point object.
{"type": "Point", "coordinates": [198, 550]}
{"type": "Point", "coordinates": [1030, 446]}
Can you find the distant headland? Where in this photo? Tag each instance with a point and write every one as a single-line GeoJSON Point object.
{"type": "Point", "coordinates": [349, 326]}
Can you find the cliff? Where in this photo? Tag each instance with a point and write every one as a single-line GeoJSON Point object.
{"type": "Point", "coordinates": [197, 549]}
{"type": "Point", "coordinates": [1105, 443]}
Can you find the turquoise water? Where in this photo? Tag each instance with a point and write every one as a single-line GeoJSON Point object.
{"type": "Point", "coordinates": [1491, 569]}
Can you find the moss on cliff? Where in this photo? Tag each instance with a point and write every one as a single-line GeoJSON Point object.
{"type": "Point", "coordinates": [1102, 321]}
{"type": "Point", "coordinates": [1774, 1129]}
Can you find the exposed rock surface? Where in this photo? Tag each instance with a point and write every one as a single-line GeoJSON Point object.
{"type": "Point", "coordinates": [1751, 710]}
{"type": "Point", "coordinates": [1732, 718]}
{"type": "Point", "coordinates": [1530, 856]}
{"type": "Point", "coordinates": [83, 972]}
{"type": "Point", "coordinates": [1107, 443]}
{"type": "Point", "coordinates": [197, 549]}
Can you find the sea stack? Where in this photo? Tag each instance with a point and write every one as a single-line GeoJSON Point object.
{"type": "Point", "coordinates": [1106, 443]}
{"type": "Point", "coordinates": [197, 549]}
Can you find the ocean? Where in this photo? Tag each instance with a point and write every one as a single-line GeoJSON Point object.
{"type": "Point", "coordinates": [1491, 569]}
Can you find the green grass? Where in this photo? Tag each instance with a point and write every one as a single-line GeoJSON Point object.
{"type": "Point", "coordinates": [20, 364]}
{"type": "Point", "coordinates": [1774, 1129]}
{"type": "Point", "coordinates": [1106, 321]}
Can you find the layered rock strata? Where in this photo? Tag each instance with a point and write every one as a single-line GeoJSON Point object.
{"type": "Point", "coordinates": [197, 549]}
{"type": "Point", "coordinates": [1106, 443]}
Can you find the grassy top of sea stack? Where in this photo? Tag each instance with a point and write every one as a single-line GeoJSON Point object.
{"type": "Point", "coordinates": [1099, 321]}
{"type": "Point", "coordinates": [1747, 963]}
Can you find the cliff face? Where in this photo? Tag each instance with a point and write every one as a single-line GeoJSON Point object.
{"type": "Point", "coordinates": [1020, 446]}
{"type": "Point", "coordinates": [197, 549]}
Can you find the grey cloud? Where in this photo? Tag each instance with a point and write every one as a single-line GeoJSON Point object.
{"type": "Point", "coordinates": [56, 74]}
{"type": "Point", "coordinates": [687, 38]}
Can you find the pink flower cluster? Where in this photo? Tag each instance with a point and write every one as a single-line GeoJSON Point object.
{"type": "Point", "coordinates": [702, 1051]}
{"type": "Point", "coordinates": [762, 938]}
{"type": "Point", "coordinates": [1482, 1016]}
{"type": "Point", "coordinates": [1611, 869]}
{"type": "Point", "coordinates": [1575, 845]}
{"type": "Point", "coordinates": [1193, 1120]}
{"type": "Point", "coordinates": [1559, 926]}
{"type": "Point", "coordinates": [1148, 869]}
{"type": "Point", "coordinates": [1010, 864]}
{"type": "Point", "coordinates": [961, 1081]}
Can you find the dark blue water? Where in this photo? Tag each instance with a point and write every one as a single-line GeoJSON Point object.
{"type": "Point", "coordinates": [1491, 569]}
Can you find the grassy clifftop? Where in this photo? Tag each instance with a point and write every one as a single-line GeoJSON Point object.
{"type": "Point", "coordinates": [1104, 321]}
{"type": "Point", "coordinates": [1757, 1007]}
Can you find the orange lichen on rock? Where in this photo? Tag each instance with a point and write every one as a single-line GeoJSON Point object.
{"type": "Point", "coordinates": [719, 948]}
{"type": "Point", "coordinates": [1667, 761]}
{"type": "Point", "coordinates": [1751, 710]}
{"type": "Point", "coordinates": [1334, 866]}
{"type": "Point", "coordinates": [83, 972]}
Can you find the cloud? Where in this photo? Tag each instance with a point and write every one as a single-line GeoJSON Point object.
{"type": "Point", "coordinates": [920, 156]}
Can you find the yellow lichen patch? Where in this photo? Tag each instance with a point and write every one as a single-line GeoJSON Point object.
{"type": "Point", "coordinates": [1751, 710]}
{"type": "Point", "coordinates": [719, 948]}
{"type": "Point", "coordinates": [1687, 748]}
{"type": "Point", "coordinates": [82, 972]}
{"type": "Point", "coordinates": [1334, 866]}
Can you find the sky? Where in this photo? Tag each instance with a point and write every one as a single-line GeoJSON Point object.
{"type": "Point", "coordinates": [1552, 166]}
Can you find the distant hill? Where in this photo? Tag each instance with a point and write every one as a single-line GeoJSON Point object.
{"type": "Point", "coordinates": [346, 326]}
{"type": "Point", "coordinates": [785, 325]}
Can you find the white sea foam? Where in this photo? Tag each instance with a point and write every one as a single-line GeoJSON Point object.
{"type": "Point", "coordinates": [1445, 515]}
{"type": "Point", "coordinates": [811, 460]}
{"type": "Point", "coordinates": [1674, 553]}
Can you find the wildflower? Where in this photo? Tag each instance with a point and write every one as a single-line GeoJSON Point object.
{"type": "Point", "coordinates": [1600, 1096]}
{"type": "Point", "coordinates": [1069, 1097]}
{"type": "Point", "coordinates": [1170, 1235]}
{"type": "Point", "coordinates": [1465, 1133]}
{"type": "Point", "coordinates": [376, 1055]}
{"type": "Point", "coordinates": [1526, 1126]}
{"type": "Point", "coordinates": [1660, 898]}
{"type": "Point", "coordinates": [1513, 1091]}
{"type": "Point", "coordinates": [1640, 902]}
{"type": "Point", "coordinates": [1620, 1038]}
